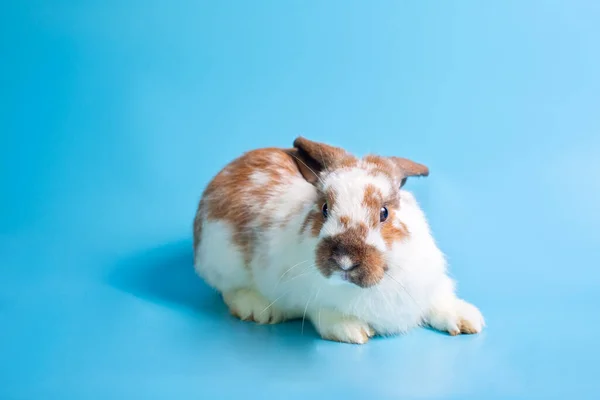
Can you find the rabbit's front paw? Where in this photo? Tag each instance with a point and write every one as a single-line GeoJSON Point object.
{"type": "Point", "coordinates": [456, 318]}
{"type": "Point", "coordinates": [249, 305]}
{"type": "Point", "coordinates": [334, 326]}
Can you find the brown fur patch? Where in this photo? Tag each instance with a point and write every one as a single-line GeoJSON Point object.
{"type": "Point", "coordinates": [317, 224]}
{"type": "Point", "coordinates": [391, 233]}
{"type": "Point", "coordinates": [314, 220]}
{"type": "Point", "coordinates": [347, 162]}
{"type": "Point", "coordinates": [352, 243]}
{"type": "Point", "coordinates": [373, 201]}
{"type": "Point", "coordinates": [308, 221]}
{"type": "Point", "coordinates": [331, 199]}
{"type": "Point", "coordinates": [372, 197]}
{"type": "Point", "coordinates": [226, 196]}
{"type": "Point", "coordinates": [345, 221]}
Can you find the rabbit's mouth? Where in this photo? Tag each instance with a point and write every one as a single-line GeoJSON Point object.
{"type": "Point", "coordinates": [362, 279]}
{"type": "Point", "coordinates": [340, 278]}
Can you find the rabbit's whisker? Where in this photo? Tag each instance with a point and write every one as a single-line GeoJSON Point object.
{"type": "Point", "coordinates": [306, 308]}
{"type": "Point", "coordinates": [306, 271]}
{"type": "Point", "coordinates": [291, 268]}
{"type": "Point", "coordinates": [404, 289]}
{"type": "Point", "coordinates": [273, 302]}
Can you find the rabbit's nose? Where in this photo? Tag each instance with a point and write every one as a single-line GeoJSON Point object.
{"type": "Point", "coordinates": [345, 263]}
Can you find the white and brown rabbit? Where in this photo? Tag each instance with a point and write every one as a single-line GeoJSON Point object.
{"type": "Point", "coordinates": [314, 232]}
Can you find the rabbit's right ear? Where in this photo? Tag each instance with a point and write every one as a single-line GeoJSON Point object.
{"type": "Point", "coordinates": [408, 168]}
{"type": "Point", "coordinates": [313, 158]}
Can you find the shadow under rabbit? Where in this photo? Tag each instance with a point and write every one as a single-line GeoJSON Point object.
{"type": "Point", "coordinates": [165, 275]}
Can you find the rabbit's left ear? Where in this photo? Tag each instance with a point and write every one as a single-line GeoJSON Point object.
{"type": "Point", "coordinates": [313, 158]}
{"type": "Point", "coordinates": [408, 168]}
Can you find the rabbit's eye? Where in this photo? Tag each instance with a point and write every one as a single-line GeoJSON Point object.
{"type": "Point", "coordinates": [324, 210]}
{"type": "Point", "coordinates": [383, 214]}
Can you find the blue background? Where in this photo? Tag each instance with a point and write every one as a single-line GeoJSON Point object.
{"type": "Point", "coordinates": [115, 114]}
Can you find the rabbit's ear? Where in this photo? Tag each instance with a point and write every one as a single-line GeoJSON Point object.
{"type": "Point", "coordinates": [313, 158]}
{"type": "Point", "coordinates": [408, 168]}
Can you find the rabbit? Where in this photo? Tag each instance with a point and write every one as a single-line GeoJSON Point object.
{"type": "Point", "coordinates": [316, 233]}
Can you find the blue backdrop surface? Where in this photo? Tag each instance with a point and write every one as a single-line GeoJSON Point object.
{"type": "Point", "coordinates": [115, 114]}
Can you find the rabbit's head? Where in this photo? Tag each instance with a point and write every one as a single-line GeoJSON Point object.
{"type": "Point", "coordinates": [355, 216]}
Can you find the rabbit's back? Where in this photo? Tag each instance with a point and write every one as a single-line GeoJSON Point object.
{"type": "Point", "coordinates": [254, 195]}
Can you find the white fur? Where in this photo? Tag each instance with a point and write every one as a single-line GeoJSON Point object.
{"type": "Point", "coordinates": [345, 262]}
{"type": "Point", "coordinates": [282, 280]}
{"type": "Point", "coordinates": [260, 178]}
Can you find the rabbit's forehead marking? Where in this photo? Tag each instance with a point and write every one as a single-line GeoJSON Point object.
{"type": "Point", "coordinates": [372, 201]}
{"type": "Point", "coordinates": [354, 198]}
{"type": "Point", "coordinates": [357, 195]}
{"type": "Point", "coordinates": [348, 186]}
